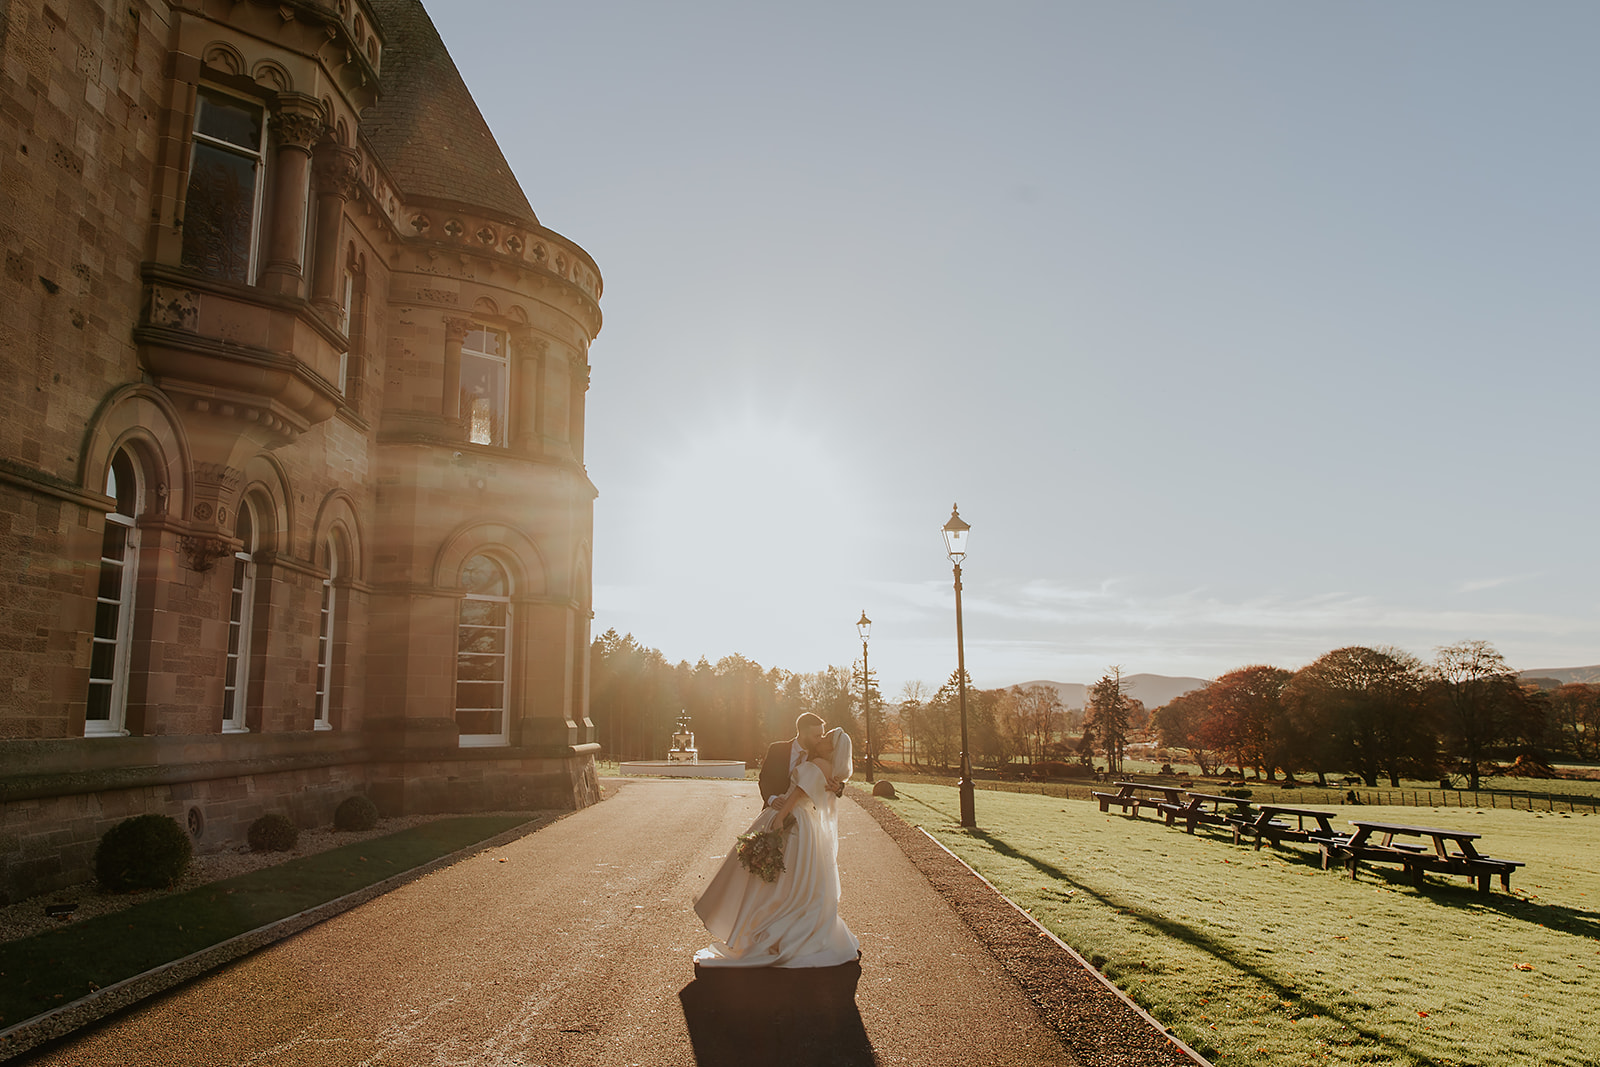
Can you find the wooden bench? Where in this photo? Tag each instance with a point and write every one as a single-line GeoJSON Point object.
{"type": "Point", "coordinates": [1133, 795]}
{"type": "Point", "coordinates": [1418, 860]}
{"type": "Point", "coordinates": [1201, 809]}
{"type": "Point", "coordinates": [1206, 809]}
{"type": "Point", "coordinates": [1269, 825]}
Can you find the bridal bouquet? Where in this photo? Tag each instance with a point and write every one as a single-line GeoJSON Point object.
{"type": "Point", "coordinates": [761, 852]}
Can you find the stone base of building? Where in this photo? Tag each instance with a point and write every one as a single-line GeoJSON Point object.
{"type": "Point", "coordinates": [51, 822]}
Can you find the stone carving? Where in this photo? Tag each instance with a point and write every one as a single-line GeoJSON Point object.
{"type": "Point", "coordinates": [486, 235]}
{"type": "Point", "coordinates": [178, 308]}
{"type": "Point", "coordinates": [454, 228]}
{"type": "Point", "coordinates": [224, 57]}
{"type": "Point", "coordinates": [421, 223]}
{"type": "Point", "coordinates": [202, 552]}
{"type": "Point", "coordinates": [338, 173]}
{"type": "Point", "coordinates": [297, 121]}
{"type": "Point", "coordinates": [456, 329]}
{"type": "Point", "coordinates": [514, 244]}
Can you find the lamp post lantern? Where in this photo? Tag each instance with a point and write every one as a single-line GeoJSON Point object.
{"type": "Point", "coordinates": [864, 628]}
{"type": "Point", "coordinates": [955, 543]}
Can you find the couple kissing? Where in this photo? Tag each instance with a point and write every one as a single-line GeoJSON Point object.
{"type": "Point", "coordinates": [811, 740]}
{"type": "Point", "coordinates": [784, 912]}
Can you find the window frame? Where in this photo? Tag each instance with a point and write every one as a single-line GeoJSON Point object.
{"type": "Point", "coordinates": [503, 736]}
{"type": "Point", "coordinates": [258, 158]}
{"type": "Point", "coordinates": [328, 618]}
{"type": "Point", "coordinates": [502, 362]}
{"type": "Point", "coordinates": [115, 724]}
{"type": "Point", "coordinates": [241, 618]}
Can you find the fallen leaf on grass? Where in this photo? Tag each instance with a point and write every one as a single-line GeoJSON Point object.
{"type": "Point", "coordinates": [1524, 966]}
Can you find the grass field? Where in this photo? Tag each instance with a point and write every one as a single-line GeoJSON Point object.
{"type": "Point", "coordinates": [1264, 958]}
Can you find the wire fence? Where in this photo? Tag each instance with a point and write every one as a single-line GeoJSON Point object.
{"type": "Point", "coordinates": [1468, 798]}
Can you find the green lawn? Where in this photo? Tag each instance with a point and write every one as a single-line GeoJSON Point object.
{"type": "Point", "coordinates": [48, 970]}
{"type": "Point", "coordinates": [1264, 958]}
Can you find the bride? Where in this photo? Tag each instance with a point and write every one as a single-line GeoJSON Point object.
{"type": "Point", "coordinates": [794, 920]}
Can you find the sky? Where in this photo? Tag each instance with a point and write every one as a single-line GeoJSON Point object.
{"type": "Point", "coordinates": [1240, 332]}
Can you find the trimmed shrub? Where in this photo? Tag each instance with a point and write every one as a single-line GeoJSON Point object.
{"type": "Point", "coordinates": [272, 833]}
{"type": "Point", "coordinates": [144, 852]}
{"type": "Point", "coordinates": [355, 813]}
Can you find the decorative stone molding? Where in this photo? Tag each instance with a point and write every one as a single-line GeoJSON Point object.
{"type": "Point", "coordinates": [202, 552]}
{"type": "Point", "coordinates": [177, 308]}
{"type": "Point", "coordinates": [456, 329]}
{"type": "Point", "coordinates": [337, 170]}
{"type": "Point", "coordinates": [526, 346]}
{"type": "Point", "coordinates": [297, 120]}
{"type": "Point", "coordinates": [215, 484]}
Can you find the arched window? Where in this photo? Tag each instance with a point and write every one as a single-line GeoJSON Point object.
{"type": "Point", "coordinates": [241, 609]}
{"type": "Point", "coordinates": [113, 616]}
{"type": "Point", "coordinates": [483, 661]}
{"type": "Point", "coordinates": [324, 720]}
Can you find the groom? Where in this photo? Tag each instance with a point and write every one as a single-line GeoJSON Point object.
{"type": "Point", "coordinates": [784, 757]}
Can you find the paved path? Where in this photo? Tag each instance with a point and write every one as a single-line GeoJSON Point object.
{"type": "Point", "coordinates": [573, 946]}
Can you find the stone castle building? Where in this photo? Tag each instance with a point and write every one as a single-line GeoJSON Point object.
{"type": "Point", "coordinates": [292, 496]}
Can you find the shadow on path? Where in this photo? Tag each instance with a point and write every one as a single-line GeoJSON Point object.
{"type": "Point", "coordinates": [776, 1017]}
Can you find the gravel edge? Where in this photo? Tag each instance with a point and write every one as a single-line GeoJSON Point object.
{"type": "Point", "coordinates": [1093, 1018]}
{"type": "Point", "coordinates": [31, 1033]}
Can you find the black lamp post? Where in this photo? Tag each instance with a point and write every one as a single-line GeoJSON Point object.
{"type": "Point", "coordinates": [864, 628]}
{"type": "Point", "coordinates": [955, 543]}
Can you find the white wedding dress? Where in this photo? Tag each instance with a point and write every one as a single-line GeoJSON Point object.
{"type": "Point", "coordinates": [794, 920]}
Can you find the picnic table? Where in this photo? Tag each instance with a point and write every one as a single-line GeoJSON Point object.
{"type": "Point", "coordinates": [1271, 824]}
{"type": "Point", "coordinates": [1373, 842]}
{"type": "Point", "coordinates": [1134, 794]}
{"type": "Point", "coordinates": [1205, 809]}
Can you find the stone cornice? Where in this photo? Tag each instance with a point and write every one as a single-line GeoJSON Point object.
{"type": "Point", "coordinates": [39, 481]}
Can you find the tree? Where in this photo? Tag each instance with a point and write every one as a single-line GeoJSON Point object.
{"type": "Point", "coordinates": [1359, 709]}
{"type": "Point", "coordinates": [1575, 718]}
{"type": "Point", "coordinates": [1107, 716]}
{"type": "Point", "coordinates": [1180, 723]}
{"type": "Point", "coordinates": [912, 712]}
{"type": "Point", "coordinates": [1247, 718]}
{"type": "Point", "coordinates": [1477, 701]}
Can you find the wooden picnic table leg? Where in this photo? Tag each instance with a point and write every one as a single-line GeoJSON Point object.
{"type": "Point", "coordinates": [1483, 882]}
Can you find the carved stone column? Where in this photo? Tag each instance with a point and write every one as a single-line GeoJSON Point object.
{"type": "Point", "coordinates": [338, 177]}
{"type": "Point", "coordinates": [455, 332]}
{"type": "Point", "coordinates": [529, 352]}
{"type": "Point", "coordinates": [554, 418]}
{"type": "Point", "coordinates": [215, 489]}
{"type": "Point", "coordinates": [297, 124]}
{"type": "Point", "coordinates": [580, 388]}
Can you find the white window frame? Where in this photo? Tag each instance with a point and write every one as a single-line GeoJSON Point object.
{"type": "Point", "coordinates": [122, 640]}
{"type": "Point", "coordinates": [241, 614]}
{"type": "Point", "coordinates": [258, 156]}
{"type": "Point", "coordinates": [328, 618]}
{"type": "Point", "coordinates": [346, 308]}
{"type": "Point", "coordinates": [503, 359]}
{"type": "Point", "coordinates": [503, 737]}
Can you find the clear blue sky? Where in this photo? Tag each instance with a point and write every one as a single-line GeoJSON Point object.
{"type": "Point", "coordinates": [1240, 331]}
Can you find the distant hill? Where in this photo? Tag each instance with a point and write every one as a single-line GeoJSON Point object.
{"type": "Point", "coordinates": [1563, 674]}
{"type": "Point", "coordinates": [1154, 689]}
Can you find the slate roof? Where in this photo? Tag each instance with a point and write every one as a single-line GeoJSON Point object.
{"type": "Point", "coordinates": [426, 126]}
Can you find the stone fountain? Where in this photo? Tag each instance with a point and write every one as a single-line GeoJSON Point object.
{"type": "Point", "coordinates": [683, 759]}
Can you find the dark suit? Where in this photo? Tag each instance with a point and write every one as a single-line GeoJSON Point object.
{"type": "Point", "coordinates": [775, 769]}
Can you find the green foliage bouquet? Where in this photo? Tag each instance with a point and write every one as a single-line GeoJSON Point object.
{"type": "Point", "coordinates": [761, 853]}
